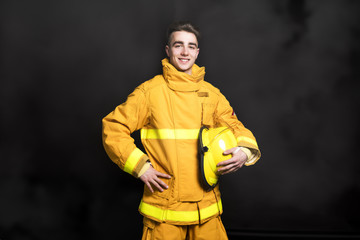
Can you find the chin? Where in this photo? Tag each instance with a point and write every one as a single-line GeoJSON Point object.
{"type": "Point", "coordinates": [184, 67]}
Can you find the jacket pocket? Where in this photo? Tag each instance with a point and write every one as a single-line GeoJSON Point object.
{"type": "Point", "coordinates": [208, 114]}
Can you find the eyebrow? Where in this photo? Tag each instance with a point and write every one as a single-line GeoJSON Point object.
{"type": "Point", "coordinates": [181, 42]}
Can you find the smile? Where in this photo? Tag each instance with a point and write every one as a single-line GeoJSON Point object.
{"type": "Point", "coordinates": [184, 60]}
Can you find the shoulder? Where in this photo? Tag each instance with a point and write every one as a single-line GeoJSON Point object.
{"type": "Point", "coordinates": [214, 93]}
{"type": "Point", "coordinates": [206, 86]}
{"type": "Point", "coordinates": [151, 84]}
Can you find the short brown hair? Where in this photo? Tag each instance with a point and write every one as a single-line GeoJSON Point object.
{"type": "Point", "coordinates": [182, 26]}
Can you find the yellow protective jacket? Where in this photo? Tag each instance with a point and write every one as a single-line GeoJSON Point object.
{"type": "Point", "coordinates": [170, 109]}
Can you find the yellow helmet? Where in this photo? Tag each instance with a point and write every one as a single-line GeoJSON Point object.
{"type": "Point", "coordinates": [212, 143]}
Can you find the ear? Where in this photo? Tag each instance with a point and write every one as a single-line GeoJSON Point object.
{"type": "Point", "coordinates": [197, 53]}
{"type": "Point", "coordinates": [167, 50]}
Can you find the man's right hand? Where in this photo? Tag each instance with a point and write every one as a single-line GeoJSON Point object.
{"type": "Point", "coordinates": [152, 179]}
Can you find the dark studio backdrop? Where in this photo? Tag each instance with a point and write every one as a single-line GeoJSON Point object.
{"type": "Point", "coordinates": [290, 69]}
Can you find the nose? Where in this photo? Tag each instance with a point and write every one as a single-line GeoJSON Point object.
{"type": "Point", "coordinates": [184, 51]}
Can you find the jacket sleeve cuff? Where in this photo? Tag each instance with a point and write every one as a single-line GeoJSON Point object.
{"type": "Point", "coordinates": [247, 152]}
{"type": "Point", "coordinates": [144, 168]}
{"type": "Point", "coordinates": [135, 162]}
{"type": "Point", "coordinates": [253, 155]}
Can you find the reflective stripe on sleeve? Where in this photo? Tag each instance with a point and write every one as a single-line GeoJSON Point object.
{"type": "Point", "coordinates": [180, 216]}
{"type": "Point", "coordinates": [169, 133]}
{"type": "Point", "coordinates": [132, 160]}
{"type": "Point", "coordinates": [246, 139]}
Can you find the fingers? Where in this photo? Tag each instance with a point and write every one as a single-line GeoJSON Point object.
{"type": "Point", "coordinates": [158, 184]}
{"type": "Point", "coordinates": [149, 186]}
{"type": "Point", "coordinates": [152, 180]}
{"type": "Point", "coordinates": [233, 164]}
{"type": "Point", "coordinates": [229, 168]}
{"type": "Point", "coordinates": [231, 150]}
{"type": "Point", "coordinates": [163, 175]}
{"type": "Point", "coordinates": [226, 162]}
{"type": "Point", "coordinates": [155, 184]}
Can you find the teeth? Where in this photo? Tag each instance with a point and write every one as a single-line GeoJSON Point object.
{"type": "Point", "coordinates": [184, 60]}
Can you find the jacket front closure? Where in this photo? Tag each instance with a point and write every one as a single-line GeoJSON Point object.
{"type": "Point", "coordinates": [186, 121]}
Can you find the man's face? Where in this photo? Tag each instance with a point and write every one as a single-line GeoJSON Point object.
{"type": "Point", "coordinates": [182, 50]}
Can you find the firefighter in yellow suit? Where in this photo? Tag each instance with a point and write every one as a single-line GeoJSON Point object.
{"type": "Point", "coordinates": [169, 110]}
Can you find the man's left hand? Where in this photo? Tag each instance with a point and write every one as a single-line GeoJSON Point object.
{"type": "Point", "coordinates": [233, 164]}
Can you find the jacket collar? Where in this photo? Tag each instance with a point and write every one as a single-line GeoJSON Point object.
{"type": "Point", "coordinates": [180, 81]}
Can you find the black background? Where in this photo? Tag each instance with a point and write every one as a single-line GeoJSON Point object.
{"type": "Point", "coordinates": [290, 69]}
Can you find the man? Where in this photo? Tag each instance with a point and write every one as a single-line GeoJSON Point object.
{"type": "Point", "coordinates": [170, 109]}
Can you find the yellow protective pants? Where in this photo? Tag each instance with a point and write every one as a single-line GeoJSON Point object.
{"type": "Point", "coordinates": [210, 230]}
